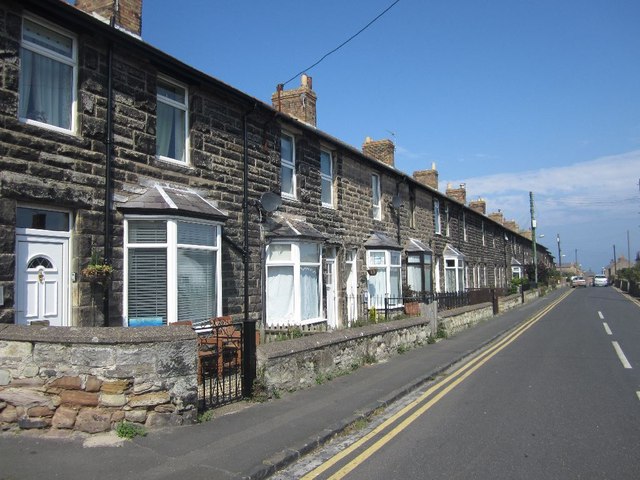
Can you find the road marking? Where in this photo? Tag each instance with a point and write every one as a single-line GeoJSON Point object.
{"type": "Point", "coordinates": [601, 316]}
{"type": "Point", "coordinates": [623, 359]}
{"type": "Point", "coordinates": [416, 408]}
{"type": "Point", "coordinates": [606, 328]}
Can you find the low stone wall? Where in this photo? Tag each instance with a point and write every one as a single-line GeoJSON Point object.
{"type": "Point", "coordinates": [303, 362]}
{"type": "Point", "coordinates": [459, 319]}
{"type": "Point", "coordinates": [89, 379]}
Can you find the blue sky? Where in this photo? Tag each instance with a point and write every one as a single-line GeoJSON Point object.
{"type": "Point", "coordinates": [506, 96]}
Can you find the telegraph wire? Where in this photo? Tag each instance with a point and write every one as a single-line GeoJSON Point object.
{"type": "Point", "coordinates": [343, 43]}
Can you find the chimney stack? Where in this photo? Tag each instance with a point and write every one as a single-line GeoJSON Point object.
{"type": "Point", "coordinates": [299, 102]}
{"type": "Point", "coordinates": [458, 194]}
{"type": "Point", "coordinates": [427, 177]}
{"type": "Point", "coordinates": [479, 205]}
{"type": "Point", "coordinates": [381, 150]}
{"type": "Point", "coordinates": [497, 217]}
{"type": "Point", "coordinates": [126, 14]}
{"type": "Point", "coordinates": [512, 225]}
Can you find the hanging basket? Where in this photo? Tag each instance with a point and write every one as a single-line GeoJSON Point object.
{"type": "Point", "coordinates": [97, 273]}
{"type": "Point", "coordinates": [372, 271]}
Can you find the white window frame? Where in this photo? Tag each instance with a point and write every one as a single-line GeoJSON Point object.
{"type": "Point", "coordinates": [376, 197]}
{"type": "Point", "coordinates": [456, 264]}
{"type": "Point", "coordinates": [447, 228]}
{"type": "Point", "coordinates": [327, 179]}
{"type": "Point", "coordinates": [484, 241]}
{"type": "Point", "coordinates": [436, 217]}
{"type": "Point", "coordinates": [296, 263]}
{"type": "Point", "coordinates": [172, 247]}
{"type": "Point", "coordinates": [72, 62]}
{"type": "Point", "coordinates": [289, 165]}
{"type": "Point", "coordinates": [516, 272]}
{"type": "Point", "coordinates": [464, 226]}
{"type": "Point", "coordinates": [184, 106]}
{"type": "Point", "coordinates": [392, 263]}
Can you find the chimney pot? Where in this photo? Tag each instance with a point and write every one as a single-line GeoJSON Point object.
{"type": "Point", "coordinates": [299, 102]}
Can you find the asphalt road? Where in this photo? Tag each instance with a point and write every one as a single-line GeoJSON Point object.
{"type": "Point", "coordinates": [559, 401]}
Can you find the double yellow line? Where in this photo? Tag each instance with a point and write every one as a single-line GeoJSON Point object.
{"type": "Point", "coordinates": [415, 409]}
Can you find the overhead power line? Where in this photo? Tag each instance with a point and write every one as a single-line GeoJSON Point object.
{"type": "Point", "coordinates": [343, 43]}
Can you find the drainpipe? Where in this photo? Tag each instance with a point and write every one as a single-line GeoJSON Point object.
{"type": "Point", "coordinates": [108, 166]}
{"type": "Point", "coordinates": [249, 350]}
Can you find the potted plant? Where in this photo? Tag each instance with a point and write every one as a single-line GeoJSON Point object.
{"type": "Point", "coordinates": [411, 305]}
{"type": "Point", "coordinates": [98, 270]}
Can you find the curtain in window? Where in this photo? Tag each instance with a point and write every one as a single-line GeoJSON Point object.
{"type": "Point", "coordinates": [310, 292]}
{"type": "Point", "coordinates": [414, 277]}
{"type": "Point", "coordinates": [280, 295]}
{"type": "Point", "coordinates": [196, 285]}
{"type": "Point", "coordinates": [45, 90]}
{"type": "Point", "coordinates": [450, 280]}
{"type": "Point", "coordinates": [147, 287]}
{"type": "Point", "coordinates": [170, 132]}
{"type": "Point", "coordinates": [378, 288]}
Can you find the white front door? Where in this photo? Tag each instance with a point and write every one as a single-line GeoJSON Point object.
{"type": "Point", "coordinates": [41, 280]}
{"type": "Point", "coordinates": [352, 286]}
{"type": "Point", "coordinates": [332, 300]}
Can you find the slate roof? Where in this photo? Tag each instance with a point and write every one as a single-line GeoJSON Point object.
{"type": "Point", "coordinates": [172, 201]}
{"type": "Point", "coordinates": [289, 228]}
{"type": "Point", "coordinates": [414, 245]}
{"type": "Point", "coordinates": [381, 241]}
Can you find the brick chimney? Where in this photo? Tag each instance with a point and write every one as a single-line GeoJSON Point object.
{"type": "Point", "coordinates": [299, 102]}
{"type": "Point", "coordinates": [458, 194]}
{"type": "Point", "coordinates": [497, 217]}
{"type": "Point", "coordinates": [427, 177]}
{"type": "Point", "coordinates": [479, 205]}
{"type": "Point", "coordinates": [127, 14]}
{"type": "Point", "coordinates": [381, 150]}
{"type": "Point", "coordinates": [526, 234]}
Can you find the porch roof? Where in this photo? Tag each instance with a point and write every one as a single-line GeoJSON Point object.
{"type": "Point", "coordinates": [381, 241]}
{"type": "Point", "coordinates": [292, 228]}
{"type": "Point", "coordinates": [414, 245]}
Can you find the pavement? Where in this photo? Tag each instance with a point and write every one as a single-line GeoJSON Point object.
{"type": "Point", "coordinates": [251, 440]}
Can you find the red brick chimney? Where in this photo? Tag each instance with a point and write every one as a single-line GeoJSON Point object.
{"type": "Point", "coordinates": [458, 194]}
{"type": "Point", "coordinates": [381, 150]}
{"type": "Point", "coordinates": [127, 14]}
{"type": "Point", "coordinates": [479, 205]}
{"type": "Point", "coordinates": [299, 102]}
{"type": "Point", "coordinates": [427, 177]}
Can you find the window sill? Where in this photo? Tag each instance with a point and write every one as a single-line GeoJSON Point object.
{"type": "Point", "coordinates": [172, 161]}
{"type": "Point", "coordinates": [47, 126]}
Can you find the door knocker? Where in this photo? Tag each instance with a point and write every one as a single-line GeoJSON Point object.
{"type": "Point", "coordinates": [41, 276]}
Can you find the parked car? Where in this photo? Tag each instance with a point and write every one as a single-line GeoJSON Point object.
{"type": "Point", "coordinates": [578, 281]}
{"type": "Point", "coordinates": [600, 281]}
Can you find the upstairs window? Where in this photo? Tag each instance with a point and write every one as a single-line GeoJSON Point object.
{"type": "Point", "coordinates": [464, 226]}
{"type": "Point", "coordinates": [171, 124]}
{"type": "Point", "coordinates": [326, 178]}
{"type": "Point", "coordinates": [287, 166]}
{"type": "Point", "coordinates": [376, 207]}
{"type": "Point", "coordinates": [436, 217]}
{"type": "Point", "coordinates": [447, 230]}
{"type": "Point", "coordinates": [48, 70]}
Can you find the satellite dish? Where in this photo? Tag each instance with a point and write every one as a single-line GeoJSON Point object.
{"type": "Point", "coordinates": [270, 202]}
{"type": "Point", "coordinates": [397, 201]}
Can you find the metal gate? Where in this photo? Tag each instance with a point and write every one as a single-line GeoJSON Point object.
{"type": "Point", "coordinates": [220, 371]}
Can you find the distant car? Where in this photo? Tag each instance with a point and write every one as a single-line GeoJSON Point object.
{"type": "Point", "coordinates": [600, 281]}
{"type": "Point", "coordinates": [578, 281]}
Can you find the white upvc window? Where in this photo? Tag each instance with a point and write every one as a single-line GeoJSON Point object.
{"type": "Point", "coordinates": [48, 76]}
{"type": "Point", "coordinates": [516, 272]}
{"type": "Point", "coordinates": [436, 217]}
{"type": "Point", "coordinates": [376, 197]}
{"type": "Point", "coordinates": [447, 230]}
{"type": "Point", "coordinates": [293, 288]}
{"type": "Point", "coordinates": [454, 271]}
{"type": "Point", "coordinates": [464, 226]}
{"type": "Point", "coordinates": [384, 275]}
{"type": "Point", "coordinates": [419, 271]}
{"type": "Point", "coordinates": [484, 241]}
{"type": "Point", "coordinates": [326, 178]}
{"type": "Point", "coordinates": [172, 129]}
{"type": "Point", "coordinates": [287, 166]}
{"type": "Point", "coordinates": [172, 270]}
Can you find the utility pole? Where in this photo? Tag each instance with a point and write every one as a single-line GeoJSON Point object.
{"type": "Point", "coordinates": [559, 254]}
{"type": "Point", "coordinates": [628, 250]}
{"type": "Point", "coordinates": [533, 237]}
{"type": "Point", "coordinates": [615, 262]}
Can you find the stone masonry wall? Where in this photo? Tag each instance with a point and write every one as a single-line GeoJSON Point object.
{"type": "Point", "coordinates": [89, 379]}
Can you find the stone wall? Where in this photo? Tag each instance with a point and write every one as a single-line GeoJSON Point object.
{"type": "Point", "coordinates": [455, 321]}
{"type": "Point", "coordinates": [89, 379]}
{"type": "Point", "coordinates": [303, 362]}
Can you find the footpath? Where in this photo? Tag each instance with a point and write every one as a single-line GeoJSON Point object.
{"type": "Point", "coordinates": [252, 440]}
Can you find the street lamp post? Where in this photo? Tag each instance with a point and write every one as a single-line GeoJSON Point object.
{"type": "Point", "coordinates": [559, 253]}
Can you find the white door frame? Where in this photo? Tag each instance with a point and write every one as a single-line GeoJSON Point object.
{"type": "Point", "coordinates": [351, 259]}
{"type": "Point", "coordinates": [332, 289]}
{"type": "Point", "coordinates": [47, 236]}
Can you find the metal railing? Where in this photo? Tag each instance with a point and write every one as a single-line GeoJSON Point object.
{"type": "Point", "coordinates": [219, 363]}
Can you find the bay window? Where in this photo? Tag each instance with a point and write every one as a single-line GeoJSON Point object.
{"type": "Point", "coordinates": [172, 270]}
{"type": "Point", "coordinates": [293, 289]}
{"type": "Point", "coordinates": [48, 71]}
{"type": "Point", "coordinates": [384, 277]}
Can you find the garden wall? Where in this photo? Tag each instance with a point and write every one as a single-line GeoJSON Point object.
{"type": "Point", "coordinates": [89, 379]}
